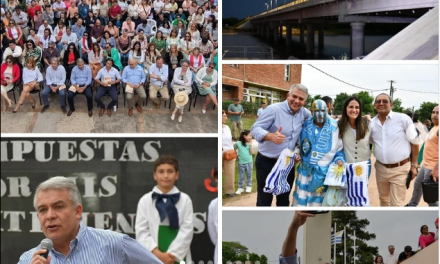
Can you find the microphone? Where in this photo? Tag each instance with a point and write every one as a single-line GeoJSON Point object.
{"type": "Point", "coordinates": [47, 245]}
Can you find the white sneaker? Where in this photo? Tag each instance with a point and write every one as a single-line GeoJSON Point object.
{"type": "Point", "coordinates": [180, 119]}
{"type": "Point", "coordinates": [173, 116]}
{"type": "Point", "coordinates": [239, 191]}
{"type": "Point", "coordinates": [248, 189]}
{"type": "Point", "coordinates": [204, 111]}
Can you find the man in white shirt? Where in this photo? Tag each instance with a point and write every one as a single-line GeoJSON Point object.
{"type": "Point", "coordinates": [260, 111]}
{"type": "Point", "coordinates": [21, 19]}
{"type": "Point", "coordinates": [58, 7]}
{"type": "Point", "coordinates": [13, 50]}
{"type": "Point", "coordinates": [68, 38]}
{"type": "Point", "coordinates": [391, 258]}
{"type": "Point", "coordinates": [157, 6]}
{"type": "Point", "coordinates": [395, 138]}
{"type": "Point", "coordinates": [43, 27]}
{"type": "Point", "coordinates": [159, 82]}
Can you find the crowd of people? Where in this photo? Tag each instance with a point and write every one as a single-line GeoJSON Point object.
{"type": "Point", "coordinates": [327, 147]}
{"type": "Point", "coordinates": [167, 47]}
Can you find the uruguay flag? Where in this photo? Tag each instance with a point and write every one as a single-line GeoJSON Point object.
{"type": "Point", "coordinates": [338, 239]}
{"type": "Point", "coordinates": [357, 181]}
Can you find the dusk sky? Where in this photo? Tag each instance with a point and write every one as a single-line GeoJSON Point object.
{"type": "Point", "coordinates": [242, 8]}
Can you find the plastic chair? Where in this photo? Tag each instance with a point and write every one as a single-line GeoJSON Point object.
{"type": "Point", "coordinates": [153, 25]}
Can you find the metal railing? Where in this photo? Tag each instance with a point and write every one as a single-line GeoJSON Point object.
{"type": "Point", "coordinates": [247, 52]}
{"type": "Point", "coordinates": [298, 4]}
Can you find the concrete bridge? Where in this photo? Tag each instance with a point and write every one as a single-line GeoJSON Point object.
{"type": "Point", "coordinates": [314, 14]}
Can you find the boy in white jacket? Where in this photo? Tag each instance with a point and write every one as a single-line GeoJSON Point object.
{"type": "Point", "coordinates": [164, 218]}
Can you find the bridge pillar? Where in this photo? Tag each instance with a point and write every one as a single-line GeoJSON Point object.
{"type": "Point", "coordinates": [357, 39]}
{"type": "Point", "coordinates": [288, 34]}
{"type": "Point", "coordinates": [262, 30]}
{"type": "Point", "coordinates": [301, 34]}
{"type": "Point", "coordinates": [321, 39]}
{"type": "Point", "coordinates": [310, 39]}
{"type": "Point", "coordinates": [268, 31]}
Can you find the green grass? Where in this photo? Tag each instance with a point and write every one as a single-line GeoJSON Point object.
{"type": "Point", "coordinates": [247, 122]}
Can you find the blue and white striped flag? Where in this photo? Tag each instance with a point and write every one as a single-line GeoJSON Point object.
{"type": "Point", "coordinates": [338, 237]}
{"type": "Point", "coordinates": [276, 181]}
{"type": "Point", "coordinates": [357, 180]}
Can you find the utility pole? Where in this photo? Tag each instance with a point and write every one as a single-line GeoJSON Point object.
{"type": "Point", "coordinates": [392, 89]}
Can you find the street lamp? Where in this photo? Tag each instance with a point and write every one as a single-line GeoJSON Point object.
{"type": "Point", "coordinates": [267, 6]}
{"type": "Point", "coordinates": [271, 6]}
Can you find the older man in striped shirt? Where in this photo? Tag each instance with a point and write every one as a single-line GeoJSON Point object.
{"type": "Point", "coordinates": [59, 209]}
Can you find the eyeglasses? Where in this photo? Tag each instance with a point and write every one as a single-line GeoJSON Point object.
{"type": "Point", "coordinates": [212, 67]}
{"type": "Point", "coordinates": [381, 101]}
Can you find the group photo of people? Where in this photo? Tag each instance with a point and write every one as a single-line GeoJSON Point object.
{"type": "Point", "coordinates": [298, 152]}
{"type": "Point", "coordinates": [155, 50]}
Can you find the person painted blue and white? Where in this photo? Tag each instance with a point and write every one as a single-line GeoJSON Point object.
{"type": "Point", "coordinates": [320, 145]}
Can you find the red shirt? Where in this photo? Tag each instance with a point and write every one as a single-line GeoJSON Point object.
{"type": "Point", "coordinates": [33, 10]}
{"type": "Point", "coordinates": [114, 11]}
{"type": "Point", "coordinates": [71, 57]}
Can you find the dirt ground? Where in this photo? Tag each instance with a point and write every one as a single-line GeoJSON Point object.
{"type": "Point", "coordinates": [250, 199]}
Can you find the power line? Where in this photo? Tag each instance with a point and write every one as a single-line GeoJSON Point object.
{"type": "Point", "coordinates": [370, 89]}
{"type": "Point", "coordinates": [342, 80]}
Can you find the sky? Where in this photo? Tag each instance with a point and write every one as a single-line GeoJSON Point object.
{"type": "Point", "coordinates": [263, 232]}
{"type": "Point", "coordinates": [416, 77]}
{"type": "Point", "coordinates": [243, 8]}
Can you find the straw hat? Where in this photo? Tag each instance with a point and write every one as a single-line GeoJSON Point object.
{"type": "Point", "coordinates": [181, 98]}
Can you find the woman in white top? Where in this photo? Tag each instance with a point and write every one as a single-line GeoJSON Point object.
{"type": "Point", "coordinates": [165, 29]}
{"type": "Point", "coordinates": [173, 39]}
{"type": "Point", "coordinates": [31, 79]}
{"type": "Point", "coordinates": [144, 10]}
{"type": "Point", "coordinates": [196, 61]}
{"type": "Point", "coordinates": [186, 45]}
{"type": "Point", "coordinates": [44, 40]}
{"type": "Point", "coordinates": [195, 34]}
{"type": "Point", "coordinates": [198, 18]}
{"type": "Point", "coordinates": [137, 54]}
{"type": "Point", "coordinates": [182, 80]}
{"type": "Point", "coordinates": [95, 59]}
{"type": "Point", "coordinates": [132, 9]}
{"type": "Point", "coordinates": [228, 165]}
{"type": "Point", "coordinates": [94, 6]}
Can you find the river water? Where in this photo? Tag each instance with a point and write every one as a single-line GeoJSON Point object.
{"type": "Point", "coordinates": [335, 46]}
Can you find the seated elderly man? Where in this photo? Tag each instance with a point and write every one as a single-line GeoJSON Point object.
{"type": "Point", "coordinates": [320, 147]}
{"type": "Point", "coordinates": [81, 80]}
{"type": "Point", "coordinates": [55, 81]}
{"type": "Point", "coordinates": [206, 80]}
{"type": "Point", "coordinates": [134, 78]}
{"type": "Point", "coordinates": [158, 82]}
{"type": "Point", "coordinates": [107, 78]}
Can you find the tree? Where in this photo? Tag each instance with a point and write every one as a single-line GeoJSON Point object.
{"type": "Point", "coordinates": [263, 259]}
{"type": "Point", "coordinates": [242, 257]}
{"type": "Point", "coordinates": [339, 103]}
{"type": "Point", "coordinates": [254, 257]}
{"type": "Point", "coordinates": [228, 253]}
{"type": "Point", "coordinates": [237, 246]}
{"type": "Point", "coordinates": [367, 102]}
{"type": "Point", "coordinates": [349, 220]}
{"type": "Point", "coordinates": [426, 110]}
{"type": "Point", "coordinates": [397, 106]}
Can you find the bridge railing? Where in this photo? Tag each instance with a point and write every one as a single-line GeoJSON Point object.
{"type": "Point", "coordinates": [247, 52]}
{"type": "Point", "coordinates": [298, 4]}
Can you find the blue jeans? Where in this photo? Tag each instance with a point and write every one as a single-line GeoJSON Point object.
{"type": "Point", "coordinates": [242, 170]}
{"type": "Point", "coordinates": [104, 20]}
{"type": "Point", "coordinates": [124, 58]}
{"type": "Point", "coordinates": [47, 91]}
{"type": "Point", "coordinates": [423, 174]}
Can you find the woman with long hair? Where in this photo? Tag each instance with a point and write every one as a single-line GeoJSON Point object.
{"type": "Point", "coordinates": [10, 74]}
{"type": "Point", "coordinates": [34, 36]}
{"type": "Point", "coordinates": [69, 59]}
{"type": "Point", "coordinates": [137, 54]}
{"type": "Point", "coordinates": [47, 37]}
{"type": "Point", "coordinates": [85, 46]}
{"type": "Point", "coordinates": [94, 6]}
{"type": "Point", "coordinates": [196, 61]}
{"type": "Point", "coordinates": [95, 59]}
{"type": "Point", "coordinates": [123, 45]}
{"type": "Point", "coordinates": [213, 34]}
{"type": "Point", "coordinates": [165, 29]}
{"type": "Point", "coordinates": [426, 238]}
{"type": "Point", "coordinates": [31, 79]}
{"type": "Point", "coordinates": [112, 29]}
{"type": "Point", "coordinates": [206, 80]}
{"type": "Point", "coordinates": [13, 32]}
{"type": "Point", "coordinates": [195, 34]}
{"type": "Point", "coordinates": [198, 19]}
{"type": "Point", "coordinates": [90, 20]}
{"type": "Point", "coordinates": [132, 9]}
{"type": "Point", "coordinates": [107, 38]}
{"type": "Point", "coordinates": [181, 30]}
{"type": "Point", "coordinates": [8, 17]}
{"type": "Point", "coordinates": [58, 32]}
{"type": "Point", "coordinates": [172, 59]}
{"type": "Point", "coordinates": [159, 42]}
{"type": "Point", "coordinates": [193, 9]}
{"type": "Point", "coordinates": [354, 130]}
{"type": "Point", "coordinates": [228, 165]}
{"type": "Point", "coordinates": [187, 45]}
{"type": "Point", "coordinates": [31, 51]}
{"type": "Point", "coordinates": [173, 40]}
{"type": "Point", "coordinates": [151, 56]}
